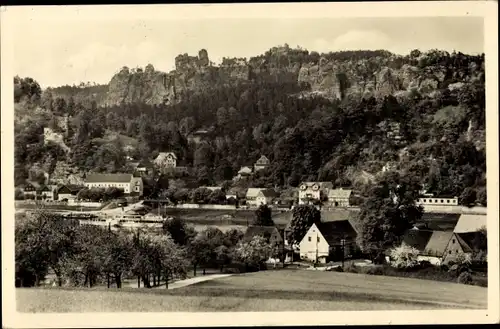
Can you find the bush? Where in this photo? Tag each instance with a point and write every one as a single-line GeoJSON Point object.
{"type": "Point", "coordinates": [231, 270]}
{"type": "Point", "coordinates": [351, 268]}
{"type": "Point", "coordinates": [404, 257]}
{"type": "Point", "coordinates": [465, 278]}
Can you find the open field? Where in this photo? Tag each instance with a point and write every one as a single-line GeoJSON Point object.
{"type": "Point", "coordinates": [220, 217]}
{"type": "Point", "coordinates": [283, 290]}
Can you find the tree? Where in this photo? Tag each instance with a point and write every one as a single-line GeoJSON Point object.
{"type": "Point", "coordinates": [172, 258]}
{"type": "Point", "coordinates": [468, 197]}
{"type": "Point", "coordinates": [179, 231]}
{"type": "Point", "coordinates": [482, 196]}
{"type": "Point", "coordinates": [263, 216]}
{"type": "Point", "coordinates": [253, 253]}
{"type": "Point", "coordinates": [387, 213]}
{"type": "Point", "coordinates": [303, 217]}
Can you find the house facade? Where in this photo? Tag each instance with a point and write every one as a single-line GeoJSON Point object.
{"type": "Point", "coordinates": [311, 191]}
{"type": "Point", "coordinates": [31, 189]}
{"type": "Point", "coordinates": [48, 192]}
{"type": "Point", "coordinates": [339, 198]}
{"type": "Point", "coordinates": [262, 163]}
{"type": "Point", "coordinates": [329, 241]}
{"type": "Point", "coordinates": [433, 201]}
{"type": "Point", "coordinates": [125, 182]}
{"type": "Point", "coordinates": [259, 196]}
{"type": "Point", "coordinates": [68, 192]}
{"type": "Point", "coordinates": [166, 160]}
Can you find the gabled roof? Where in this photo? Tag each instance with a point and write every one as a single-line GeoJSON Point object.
{"type": "Point", "coordinates": [245, 170]}
{"type": "Point", "coordinates": [417, 239]}
{"type": "Point", "coordinates": [268, 193]}
{"type": "Point", "coordinates": [333, 232]}
{"type": "Point", "coordinates": [108, 178]}
{"type": "Point", "coordinates": [437, 243]}
{"type": "Point", "coordinates": [144, 164]}
{"type": "Point", "coordinates": [263, 159]}
{"type": "Point", "coordinates": [470, 223]}
{"type": "Point", "coordinates": [264, 231]}
{"type": "Point", "coordinates": [341, 215]}
{"type": "Point", "coordinates": [34, 184]}
{"type": "Point", "coordinates": [163, 155]}
{"type": "Point", "coordinates": [253, 192]}
{"type": "Point", "coordinates": [71, 188]}
{"type": "Point", "coordinates": [339, 194]}
{"type": "Point", "coordinates": [322, 185]}
{"type": "Point", "coordinates": [466, 241]}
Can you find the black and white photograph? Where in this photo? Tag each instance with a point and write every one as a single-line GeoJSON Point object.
{"type": "Point", "coordinates": [219, 159]}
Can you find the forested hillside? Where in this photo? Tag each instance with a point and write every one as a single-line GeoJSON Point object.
{"type": "Point", "coordinates": [336, 117]}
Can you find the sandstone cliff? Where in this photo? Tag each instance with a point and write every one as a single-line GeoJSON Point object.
{"type": "Point", "coordinates": [330, 75]}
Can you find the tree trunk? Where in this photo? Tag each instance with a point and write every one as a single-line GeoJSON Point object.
{"type": "Point", "coordinates": [145, 279]}
{"type": "Point", "coordinates": [138, 281]}
{"type": "Point", "coordinates": [108, 279]}
{"type": "Point", "coordinates": [85, 283]}
{"type": "Point", "coordinates": [118, 279]}
{"type": "Point", "coordinates": [37, 280]}
{"type": "Point", "coordinates": [166, 281]}
{"type": "Point", "coordinates": [154, 280]}
{"type": "Point", "coordinates": [194, 269]}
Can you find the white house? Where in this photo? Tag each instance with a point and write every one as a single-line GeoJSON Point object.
{"type": "Point", "coordinates": [68, 192]}
{"type": "Point", "coordinates": [339, 197]}
{"type": "Point", "coordinates": [259, 196]}
{"type": "Point", "coordinates": [327, 241]}
{"type": "Point", "coordinates": [126, 182]}
{"type": "Point", "coordinates": [313, 191]}
{"type": "Point", "coordinates": [166, 160]}
{"type": "Point", "coordinates": [262, 163]}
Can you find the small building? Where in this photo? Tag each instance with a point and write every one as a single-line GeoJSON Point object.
{"type": "Point", "coordinates": [469, 223]}
{"type": "Point", "coordinates": [339, 197]}
{"type": "Point", "coordinates": [262, 163]}
{"type": "Point", "coordinates": [259, 196]}
{"type": "Point", "coordinates": [31, 189]}
{"type": "Point", "coordinates": [166, 160]}
{"type": "Point", "coordinates": [435, 201]}
{"type": "Point", "coordinates": [329, 241]}
{"type": "Point", "coordinates": [270, 233]}
{"type": "Point", "coordinates": [436, 247]}
{"type": "Point", "coordinates": [48, 192]}
{"type": "Point", "coordinates": [313, 191]}
{"type": "Point", "coordinates": [143, 167]}
{"type": "Point", "coordinates": [68, 192]}
{"type": "Point", "coordinates": [125, 182]}
{"type": "Point", "coordinates": [244, 172]}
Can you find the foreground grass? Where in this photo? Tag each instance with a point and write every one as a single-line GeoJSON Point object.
{"type": "Point", "coordinates": [286, 290]}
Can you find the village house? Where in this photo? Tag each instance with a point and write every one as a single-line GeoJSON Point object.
{"type": "Point", "coordinates": [329, 241]}
{"type": "Point", "coordinates": [166, 160]}
{"type": "Point", "coordinates": [262, 163]}
{"type": "Point", "coordinates": [143, 167]}
{"type": "Point", "coordinates": [470, 223]}
{"type": "Point", "coordinates": [270, 233]}
{"type": "Point", "coordinates": [30, 190]}
{"type": "Point", "coordinates": [339, 197]}
{"type": "Point", "coordinates": [68, 192]}
{"type": "Point", "coordinates": [436, 247]}
{"type": "Point", "coordinates": [48, 192]}
{"type": "Point", "coordinates": [125, 182]}
{"type": "Point", "coordinates": [244, 172]}
{"type": "Point", "coordinates": [313, 191]}
{"type": "Point", "coordinates": [259, 196]}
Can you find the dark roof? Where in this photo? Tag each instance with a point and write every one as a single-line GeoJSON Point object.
{"type": "Point", "coordinates": [144, 164]}
{"type": "Point", "coordinates": [340, 215]}
{"type": "Point", "coordinates": [437, 243]}
{"type": "Point", "coordinates": [333, 232]}
{"type": "Point", "coordinates": [466, 241]}
{"type": "Point", "coordinates": [111, 178]}
{"type": "Point", "coordinates": [417, 239]}
{"type": "Point", "coordinates": [261, 231]}
{"type": "Point", "coordinates": [71, 188]}
{"type": "Point", "coordinates": [269, 193]}
{"type": "Point", "coordinates": [445, 222]}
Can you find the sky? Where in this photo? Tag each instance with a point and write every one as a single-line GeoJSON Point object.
{"type": "Point", "coordinates": [67, 49]}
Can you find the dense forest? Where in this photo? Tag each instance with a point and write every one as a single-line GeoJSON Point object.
{"type": "Point", "coordinates": [434, 132]}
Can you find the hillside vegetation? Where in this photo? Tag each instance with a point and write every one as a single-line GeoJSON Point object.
{"type": "Point", "coordinates": [332, 117]}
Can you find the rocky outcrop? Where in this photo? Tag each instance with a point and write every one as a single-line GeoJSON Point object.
{"type": "Point", "coordinates": [192, 73]}
{"type": "Point", "coordinates": [333, 77]}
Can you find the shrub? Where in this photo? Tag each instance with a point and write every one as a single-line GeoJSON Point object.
{"type": "Point", "coordinates": [375, 270]}
{"type": "Point", "coordinates": [351, 268]}
{"type": "Point", "coordinates": [465, 278]}
{"type": "Point", "coordinates": [404, 257]}
{"type": "Point", "coordinates": [231, 270]}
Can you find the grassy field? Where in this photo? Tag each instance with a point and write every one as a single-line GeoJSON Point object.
{"type": "Point", "coordinates": [284, 290]}
{"type": "Point", "coordinates": [220, 217]}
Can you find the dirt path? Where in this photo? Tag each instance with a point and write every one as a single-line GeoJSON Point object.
{"type": "Point", "coordinates": [181, 283]}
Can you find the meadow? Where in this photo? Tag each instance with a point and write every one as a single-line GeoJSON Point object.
{"type": "Point", "coordinates": [281, 290]}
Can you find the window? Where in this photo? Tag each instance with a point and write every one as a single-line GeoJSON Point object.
{"type": "Point", "coordinates": [425, 200]}
{"type": "Point", "coordinates": [447, 201]}
{"type": "Point", "coordinates": [309, 239]}
{"type": "Point", "coordinates": [430, 200]}
{"type": "Point", "coordinates": [318, 239]}
{"type": "Point", "coordinates": [442, 201]}
{"type": "Point", "coordinates": [453, 241]}
{"type": "Point", "coordinates": [449, 252]}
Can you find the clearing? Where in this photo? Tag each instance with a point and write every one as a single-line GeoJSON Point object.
{"type": "Point", "coordinates": [281, 290]}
